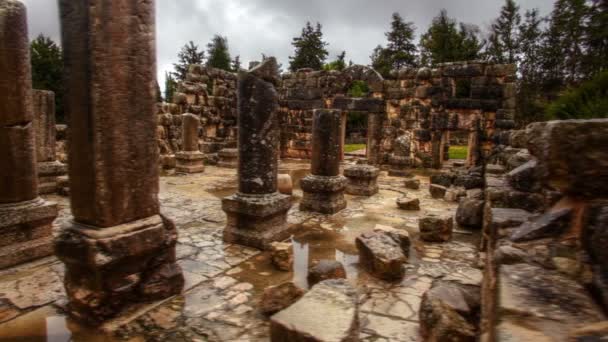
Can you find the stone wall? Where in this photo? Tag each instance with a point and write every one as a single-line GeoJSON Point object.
{"type": "Point", "coordinates": [210, 94]}
{"type": "Point", "coordinates": [419, 108]}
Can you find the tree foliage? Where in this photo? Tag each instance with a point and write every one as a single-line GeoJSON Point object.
{"type": "Point", "coordinates": [400, 51]}
{"type": "Point", "coordinates": [170, 86]}
{"type": "Point", "coordinates": [235, 65]}
{"type": "Point", "coordinates": [47, 69]}
{"type": "Point", "coordinates": [188, 55]}
{"type": "Point", "coordinates": [218, 55]}
{"type": "Point", "coordinates": [446, 41]}
{"type": "Point", "coordinates": [338, 64]}
{"type": "Point", "coordinates": [310, 51]}
{"type": "Point", "coordinates": [590, 100]}
{"type": "Point", "coordinates": [503, 44]}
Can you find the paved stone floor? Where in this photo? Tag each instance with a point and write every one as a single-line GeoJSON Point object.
{"type": "Point", "coordinates": [224, 282]}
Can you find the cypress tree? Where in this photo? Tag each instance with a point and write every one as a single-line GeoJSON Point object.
{"type": "Point", "coordinates": [310, 51]}
{"type": "Point", "coordinates": [217, 53]}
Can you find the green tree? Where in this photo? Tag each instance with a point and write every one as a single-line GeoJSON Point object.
{"type": "Point", "coordinates": [310, 51]}
{"type": "Point", "coordinates": [159, 94]}
{"type": "Point", "coordinates": [381, 61]}
{"type": "Point", "coordinates": [47, 68]}
{"type": "Point", "coordinates": [401, 47]}
{"type": "Point", "coordinates": [446, 41]}
{"type": "Point", "coordinates": [589, 100]}
{"type": "Point", "coordinates": [504, 36]}
{"type": "Point", "coordinates": [170, 86]}
{"type": "Point", "coordinates": [596, 38]}
{"type": "Point", "coordinates": [338, 64]}
{"type": "Point", "coordinates": [235, 65]}
{"type": "Point", "coordinates": [188, 55]}
{"type": "Point", "coordinates": [218, 55]}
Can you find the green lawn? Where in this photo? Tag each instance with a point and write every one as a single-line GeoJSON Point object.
{"type": "Point", "coordinates": [458, 152]}
{"type": "Point", "coordinates": [353, 147]}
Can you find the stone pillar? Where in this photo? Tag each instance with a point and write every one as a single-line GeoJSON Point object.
{"type": "Point", "coordinates": [362, 180]}
{"type": "Point", "coordinates": [257, 213]}
{"type": "Point", "coordinates": [49, 168]}
{"type": "Point", "coordinates": [400, 160]}
{"type": "Point", "coordinates": [118, 249]}
{"type": "Point", "coordinates": [25, 219]}
{"type": "Point", "coordinates": [374, 137]}
{"type": "Point", "coordinates": [190, 158]}
{"type": "Point", "coordinates": [324, 188]}
{"type": "Point", "coordinates": [229, 158]}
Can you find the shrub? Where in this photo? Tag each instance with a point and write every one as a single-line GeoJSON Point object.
{"type": "Point", "coordinates": [589, 100]}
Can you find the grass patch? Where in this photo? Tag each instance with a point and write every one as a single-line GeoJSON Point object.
{"type": "Point", "coordinates": [458, 152]}
{"type": "Point", "coordinates": [353, 147]}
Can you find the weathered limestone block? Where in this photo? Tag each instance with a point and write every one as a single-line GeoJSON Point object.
{"type": "Point", "coordinates": [435, 228]}
{"type": "Point", "coordinates": [454, 194]}
{"type": "Point", "coordinates": [25, 219]}
{"type": "Point", "coordinates": [407, 203]}
{"type": "Point", "coordinates": [443, 179]}
{"type": "Point", "coordinates": [362, 180]}
{"type": "Point", "coordinates": [525, 177]}
{"type": "Point", "coordinates": [257, 213]}
{"type": "Point", "coordinates": [190, 158]}
{"type": "Point", "coordinates": [118, 249]}
{"type": "Point", "coordinates": [324, 270]}
{"type": "Point", "coordinates": [470, 213]}
{"type": "Point", "coordinates": [324, 188]}
{"type": "Point", "coordinates": [413, 184]}
{"type": "Point", "coordinates": [279, 297]}
{"type": "Point", "coordinates": [49, 168]}
{"type": "Point", "coordinates": [229, 158]}
{"type": "Point", "coordinates": [282, 255]}
{"type": "Point", "coordinates": [550, 224]}
{"type": "Point", "coordinates": [585, 171]}
{"type": "Point", "coordinates": [384, 251]}
{"type": "Point", "coordinates": [437, 191]}
{"type": "Point", "coordinates": [327, 313]}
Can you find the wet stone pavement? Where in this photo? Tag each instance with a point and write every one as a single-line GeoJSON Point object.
{"type": "Point", "coordinates": [224, 282]}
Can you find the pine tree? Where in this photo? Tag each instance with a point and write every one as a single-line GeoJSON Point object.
{"type": "Point", "coordinates": [381, 61]}
{"type": "Point", "coordinates": [47, 67]}
{"type": "Point", "coordinates": [530, 99]}
{"type": "Point", "coordinates": [310, 51]}
{"type": "Point", "coordinates": [401, 47]}
{"type": "Point", "coordinates": [170, 86]}
{"type": "Point", "coordinates": [188, 55]}
{"type": "Point", "coordinates": [159, 94]}
{"type": "Point", "coordinates": [596, 38]}
{"type": "Point", "coordinates": [504, 41]}
{"type": "Point", "coordinates": [235, 65]}
{"type": "Point", "coordinates": [338, 64]}
{"type": "Point", "coordinates": [445, 41]}
{"type": "Point", "coordinates": [217, 53]}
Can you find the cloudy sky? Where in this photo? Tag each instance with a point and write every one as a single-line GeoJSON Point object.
{"type": "Point", "coordinates": [254, 27]}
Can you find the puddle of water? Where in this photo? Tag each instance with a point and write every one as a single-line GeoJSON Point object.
{"type": "Point", "coordinates": [49, 325]}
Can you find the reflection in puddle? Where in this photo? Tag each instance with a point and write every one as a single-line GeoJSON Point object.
{"type": "Point", "coordinates": [300, 263]}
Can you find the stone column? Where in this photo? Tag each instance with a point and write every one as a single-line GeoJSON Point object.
{"type": "Point", "coordinates": [362, 180]}
{"type": "Point", "coordinates": [118, 249]}
{"type": "Point", "coordinates": [190, 159]}
{"type": "Point", "coordinates": [25, 219]}
{"type": "Point", "coordinates": [257, 212]}
{"type": "Point", "coordinates": [400, 160]}
{"type": "Point", "coordinates": [49, 168]}
{"type": "Point", "coordinates": [324, 188]}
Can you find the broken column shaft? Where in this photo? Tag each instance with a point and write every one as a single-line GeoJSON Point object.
{"type": "Point", "coordinates": [25, 219]}
{"type": "Point", "coordinates": [190, 158]}
{"type": "Point", "coordinates": [257, 212]}
{"type": "Point", "coordinates": [324, 188]}
{"type": "Point", "coordinates": [118, 249]}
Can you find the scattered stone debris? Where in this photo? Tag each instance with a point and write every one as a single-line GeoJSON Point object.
{"type": "Point", "coordinates": [362, 180]}
{"type": "Point", "coordinates": [412, 183]}
{"type": "Point", "coordinates": [324, 270]}
{"type": "Point", "coordinates": [407, 203]}
{"type": "Point", "coordinates": [279, 297]}
{"type": "Point", "coordinates": [435, 228]}
{"type": "Point", "coordinates": [384, 252]}
{"type": "Point", "coordinates": [282, 255]}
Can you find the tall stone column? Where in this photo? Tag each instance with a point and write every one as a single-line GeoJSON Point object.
{"type": "Point", "coordinates": [190, 158]}
{"type": "Point", "coordinates": [118, 249]}
{"type": "Point", "coordinates": [49, 168]}
{"type": "Point", "coordinates": [25, 219]}
{"type": "Point", "coordinates": [257, 213]}
{"type": "Point", "coordinates": [324, 188]}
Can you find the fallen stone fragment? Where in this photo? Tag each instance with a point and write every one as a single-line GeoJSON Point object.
{"type": "Point", "coordinates": [408, 203]}
{"type": "Point", "coordinates": [440, 320]}
{"type": "Point", "coordinates": [547, 225]}
{"type": "Point", "coordinates": [327, 313]}
{"type": "Point", "coordinates": [443, 179]}
{"type": "Point", "coordinates": [454, 194]}
{"type": "Point", "coordinates": [526, 177]}
{"type": "Point", "coordinates": [279, 297]}
{"type": "Point", "coordinates": [468, 181]}
{"type": "Point", "coordinates": [383, 252]}
{"type": "Point", "coordinates": [435, 228]}
{"type": "Point", "coordinates": [508, 255]}
{"type": "Point", "coordinates": [590, 332]}
{"type": "Point", "coordinates": [437, 191]}
{"type": "Point", "coordinates": [470, 213]}
{"type": "Point", "coordinates": [282, 255]}
{"type": "Point", "coordinates": [412, 183]}
{"type": "Point", "coordinates": [324, 270]}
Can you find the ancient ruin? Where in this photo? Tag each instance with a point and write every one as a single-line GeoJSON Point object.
{"type": "Point", "coordinates": [118, 249]}
{"type": "Point", "coordinates": [257, 213]}
{"type": "Point", "coordinates": [25, 219]}
{"type": "Point", "coordinates": [235, 212]}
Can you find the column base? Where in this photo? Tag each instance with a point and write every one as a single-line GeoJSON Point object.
{"type": "Point", "coordinates": [323, 194]}
{"type": "Point", "coordinates": [108, 269]}
{"type": "Point", "coordinates": [48, 172]}
{"type": "Point", "coordinates": [189, 162]}
{"type": "Point", "coordinates": [26, 229]}
{"type": "Point", "coordinates": [399, 166]}
{"type": "Point", "coordinates": [362, 180]}
{"type": "Point", "coordinates": [256, 220]}
{"type": "Point", "coordinates": [229, 158]}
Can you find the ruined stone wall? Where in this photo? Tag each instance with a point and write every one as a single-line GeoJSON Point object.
{"type": "Point", "coordinates": [421, 107]}
{"type": "Point", "coordinates": [210, 94]}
